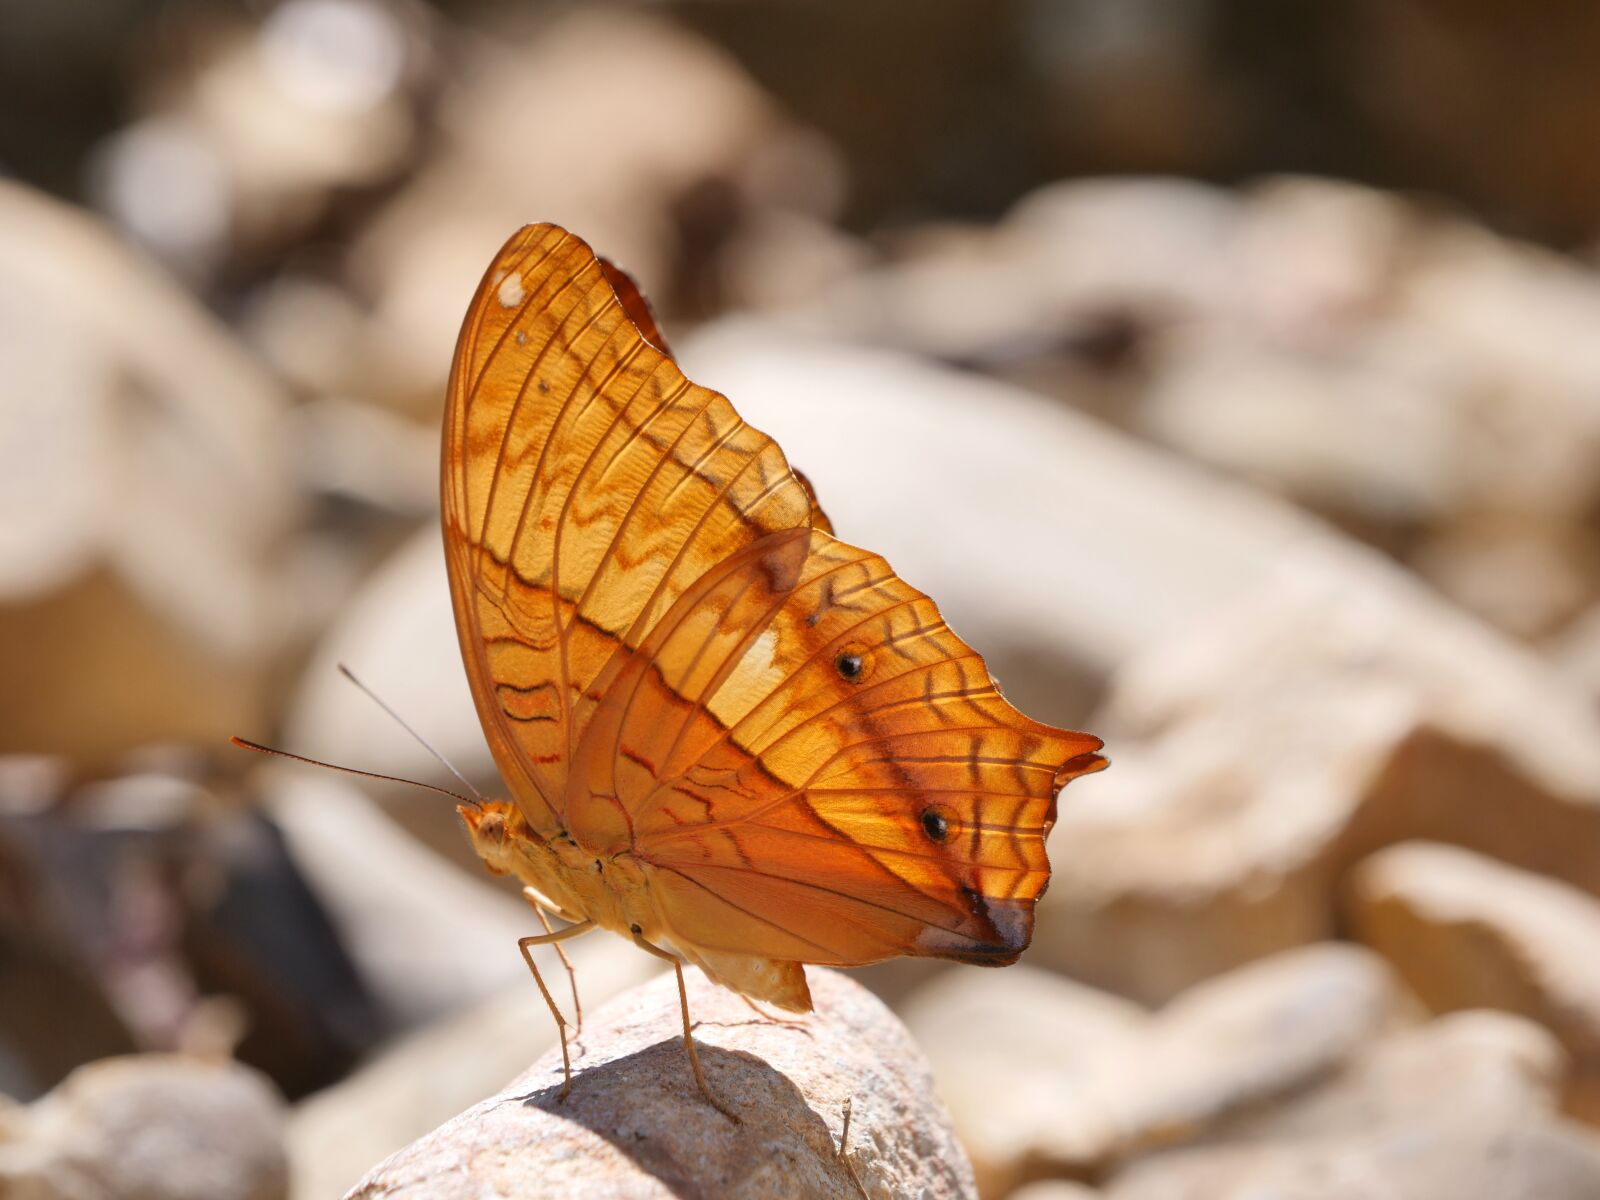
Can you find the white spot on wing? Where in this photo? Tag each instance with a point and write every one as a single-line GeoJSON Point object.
{"type": "Point", "coordinates": [511, 293]}
{"type": "Point", "coordinates": [753, 678]}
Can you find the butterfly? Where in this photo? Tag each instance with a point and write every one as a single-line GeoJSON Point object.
{"type": "Point", "coordinates": [727, 735]}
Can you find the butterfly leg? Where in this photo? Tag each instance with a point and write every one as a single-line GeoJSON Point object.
{"type": "Point", "coordinates": [844, 1151]}
{"type": "Point", "coordinates": [526, 945]}
{"type": "Point", "coordinates": [688, 1034]}
{"type": "Point", "coordinates": [533, 898]}
{"type": "Point", "coordinates": [791, 1022]}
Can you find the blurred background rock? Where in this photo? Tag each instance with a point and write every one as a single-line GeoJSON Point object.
{"type": "Point", "coordinates": [1229, 371]}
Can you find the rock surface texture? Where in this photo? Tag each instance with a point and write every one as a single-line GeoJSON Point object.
{"type": "Point", "coordinates": [1486, 1063]}
{"type": "Point", "coordinates": [1015, 1053]}
{"type": "Point", "coordinates": [1466, 931]}
{"type": "Point", "coordinates": [1049, 1078]}
{"type": "Point", "coordinates": [168, 593]}
{"type": "Point", "coordinates": [1434, 1158]}
{"type": "Point", "coordinates": [148, 1127]}
{"type": "Point", "coordinates": [1264, 753]}
{"type": "Point", "coordinates": [634, 1125]}
{"type": "Point", "coordinates": [429, 1076]}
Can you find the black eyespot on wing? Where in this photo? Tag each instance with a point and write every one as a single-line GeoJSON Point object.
{"type": "Point", "coordinates": [850, 666]}
{"type": "Point", "coordinates": [935, 825]}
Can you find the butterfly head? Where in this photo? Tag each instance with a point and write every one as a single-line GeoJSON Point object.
{"type": "Point", "coordinates": [491, 826]}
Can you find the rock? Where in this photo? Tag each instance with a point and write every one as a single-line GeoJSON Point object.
{"type": "Point", "coordinates": [256, 131]}
{"type": "Point", "coordinates": [1243, 1039]}
{"type": "Point", "coordinates": [1007, 1049]}
{"type": "Point", "coordinates": [397, 633]}
{"type": "Point", "coordinates": [705, 138]}
{"type": "Point", "coordinates": [1273, 412]}
{"type": "Point", "coordinates": [1460, 1107]}
{"type": "Point", "coordinates": [1204, 852]}
{"type": "Point", "coordinates": [54, 1013]}
{"type": "Point", "coordinates": [1530, 576]}
{"type": "Point", "coordinates": [154, 911]}
{"type": "Point", "coordinates": [1337, 370]}
{"type": "Point", "coordinates": [1424, 383]}
{"type": "Point", "coordinates": [145, 500]}
{"type": "Point", "coordinates": [635, 1126]}
{"type": "Point", "coordinates": [426, 936]}
{"type": "Point", "coordinates": [1150, 248]}
{"type": "Point", "coordinates": [783, 260]}
{"type": "Point", "coordinates": [428, 1076]}
{"type": "Point", "coordinates": [1054, 1189]}
{"type": "Point", "coordinates": [1466, 932]}
{"type": "Point", "coordinates": [1264, 373]}
{"type": "Point", "coordinates": [1432, 1157]}
{"type": "Point", "coordinates": [369, 454]}
{"type": "Point", "coordinates": [1063, 1081]}
{"type": "Point", "coordinates": [1260, 755]}
{"type": "Point", "coordinates": [148, 1127]}
{"type": "Point", "coordinates": [1576, 654]}
{"type": "Point", "coordinates": [1418, 379]}
{"type": "Point", "coordinates": [253, 938]}
{"type": "Point", "coordinates": [1477, 1061]}
{"type": "Point", "coordinates": [1315, 262]}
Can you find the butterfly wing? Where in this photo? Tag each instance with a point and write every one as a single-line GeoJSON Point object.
{"type": "Point", "coordinates": [815, 768]}
{"type": "Point", "coordinates": [586, 484]}
{"type": "Point", "coordinates": [644, 317]}
{"type": "Point", "coordinates": [675, 659]}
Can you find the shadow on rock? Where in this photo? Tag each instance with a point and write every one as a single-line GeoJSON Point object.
{"type": "Point", "coordinates": [636, 1125]}
{"type": "Point", "coordinates": [647, 1106]}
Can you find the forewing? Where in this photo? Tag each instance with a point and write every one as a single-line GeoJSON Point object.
{"type": "Point", "coordinates": [586, 485]}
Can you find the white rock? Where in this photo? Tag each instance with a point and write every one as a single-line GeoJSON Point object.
{"type": "Point", "coordinates": [1262, 754]}
{"type": "Point", "coordinates": [148, 1127]}
{"type": "Point", "coordinates": [1009, 1050]}
{"type": "Point", "coordinates": [1054, 1189]}
{"type": "Point", "coordinates": [1466, 932]}
{"type": "Point", "coordinates": [426, 936]}
{"type": "Point", "coordinates": [1054, 1079]}
{"type": "Point", "coordinates": [398, 634]}
{"type": "Point", "coordinates": [635, 1126]}
{"type": "Point", "coordinates": [144, 498]}
{"type": "Point", "coordinates": [704, 119]}
{"type": "Point", "coordinates": [427, 1077]}
{"type": "Point", "coordinates": [1434, 1157]}
{"type": "Point", "coordinates": [1476, 1061]}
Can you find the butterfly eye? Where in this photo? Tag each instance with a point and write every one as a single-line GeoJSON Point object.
{"type": "Point", "coordinates": [935, 825]}
{"type": "Point", "coordinates": [850, 665]}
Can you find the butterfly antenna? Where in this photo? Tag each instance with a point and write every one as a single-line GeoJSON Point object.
{"type": "Point", "coordinates": [247, 744]}
{"type": "Point", "coordinates": [421, 741]}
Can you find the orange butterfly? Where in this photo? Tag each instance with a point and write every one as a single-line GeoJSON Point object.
{"type": "Point", "coordinates": [729, 736]}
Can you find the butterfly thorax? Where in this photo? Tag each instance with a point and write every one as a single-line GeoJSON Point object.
{"type": "Point", "coordinates": [609, 890]}
{"type": "Point", "coordinates": [614, 893]}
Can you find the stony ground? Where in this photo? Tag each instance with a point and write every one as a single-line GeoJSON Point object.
{"type": "Point", "coordinates": [1290, 491]}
